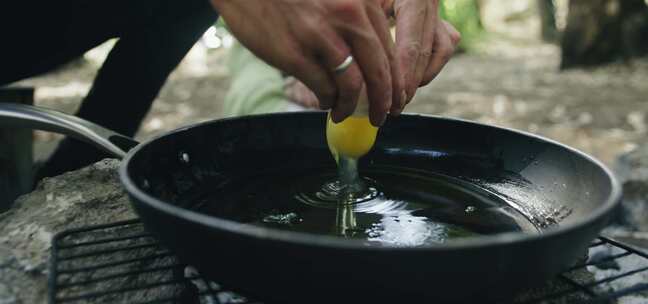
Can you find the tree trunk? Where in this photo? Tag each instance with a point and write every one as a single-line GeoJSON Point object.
{"type": "Point", "coordinates": [547, 11]}
{"type": "Point", "coordinates": [600, 31]}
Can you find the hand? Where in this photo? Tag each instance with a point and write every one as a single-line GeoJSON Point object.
{"type": "Point", "coordinates": [424, 43]}
{"type": "Point", "coordinates": [300, 94]}
{"type": "Point", "coordinates": [297, 92]}
{"type": "Point", "coordinates": [309, 38]}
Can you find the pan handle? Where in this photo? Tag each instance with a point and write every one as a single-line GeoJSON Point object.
{"type": "Point", "coordinates": [24, 116]}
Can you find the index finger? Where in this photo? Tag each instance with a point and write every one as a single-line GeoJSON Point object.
{"type": "Point", "coordinates": [370, 55]}
{"type": "Point", "coordinates": [411, 16]}
{"type": "Point", "coordinates": [377, 16]}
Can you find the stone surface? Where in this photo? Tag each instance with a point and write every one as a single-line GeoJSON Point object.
{"type": "Point", "coordinates": [632, 170]}
{"type": "Point", "coordinates": [89, 196]}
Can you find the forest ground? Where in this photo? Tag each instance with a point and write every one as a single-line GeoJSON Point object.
{"type": "Point", "coordinates": [507, 82]}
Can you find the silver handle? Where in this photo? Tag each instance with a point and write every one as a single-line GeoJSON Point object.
{"type": "Point", "coordinates": [24, 116]}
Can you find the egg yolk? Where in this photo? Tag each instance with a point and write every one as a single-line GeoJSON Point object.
{"type": "Point", "coordinates": [353, 137]}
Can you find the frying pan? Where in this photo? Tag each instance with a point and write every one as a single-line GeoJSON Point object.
{"type": "Point", "coordinates": [554, 186]}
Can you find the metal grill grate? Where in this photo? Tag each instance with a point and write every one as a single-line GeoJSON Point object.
{"type": "Point", "coordinates": [122, 263]}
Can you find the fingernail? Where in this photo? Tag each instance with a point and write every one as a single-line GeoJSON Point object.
{"type": "Point", "coordinates": [382, 121]}
{"type": "Point", "coordinates": [335, 118]}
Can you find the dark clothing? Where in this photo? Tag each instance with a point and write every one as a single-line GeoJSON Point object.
{"type": "Point", "coordinates": [154, 36]}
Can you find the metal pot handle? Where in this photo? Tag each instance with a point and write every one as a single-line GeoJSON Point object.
{"type": "Point", "coordinates": [24, 116]}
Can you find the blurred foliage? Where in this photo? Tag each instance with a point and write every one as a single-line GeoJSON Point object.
{"type": "Point", "coordinates": [464, 16]}
{"type": "Point", "coordinates": [220, 23]}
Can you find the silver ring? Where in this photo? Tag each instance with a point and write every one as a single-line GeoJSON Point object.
{"type": "Point", "coordinates": [344, 65]}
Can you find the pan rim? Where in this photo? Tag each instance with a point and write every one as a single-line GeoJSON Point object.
{"type": "Point", "coordinates": [305, 239]}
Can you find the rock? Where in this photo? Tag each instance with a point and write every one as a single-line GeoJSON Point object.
{"type": "Point", "coordinates": [89, 196]}
{"type": "Point", "coordinates": [632, 170]}
{"type": "Point", "coordinates": [634, 164]}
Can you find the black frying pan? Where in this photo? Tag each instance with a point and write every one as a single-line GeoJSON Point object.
{"type": "Point", "coordinates": [554, 185]}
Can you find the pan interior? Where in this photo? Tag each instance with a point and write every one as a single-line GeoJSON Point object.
{"type": "Point", "coordinates": [407, 208]}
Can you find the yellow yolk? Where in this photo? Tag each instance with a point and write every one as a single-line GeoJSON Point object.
{"type": "Point", "coordinates": [353, 137]}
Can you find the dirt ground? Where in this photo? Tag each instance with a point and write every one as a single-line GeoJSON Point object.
{"type": "Point", "coordinates": [512, 83]}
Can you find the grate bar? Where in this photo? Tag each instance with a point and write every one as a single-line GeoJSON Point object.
{"type": "Point", "coordinates": [626, 247]}
{"type": "Point", "coordinates": [108, 251]}
{"type": "Point", "coordinates": [70, 232]}
{"type": "Point", "coordinates": [615, 277]}
{"type": "Point", "coordinates": [113, 264]}
{"type": "Point", "coordinates": [197, 288]}
{"type": "Point", "coordinates": [551, 296]}
{"type": "Point", "coordinates": [170, 300]}
{"type": "Point", "coordinates": [122, 290]}
{"type": "Point", "coordinates": [598, 242]}
{"type": "Point", "coordinates": [577, 285]}
{"type": "Point", "coordinates": [120, 275]}
{"type": "Point", "coordinates": [106, 240]}
{"type": "Point", "coordinates": [174, 299]}
{"type": "Point", "coordinates": [615, 295]}
{"type": "Point", "coordinates": [600, 261]}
